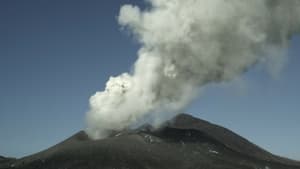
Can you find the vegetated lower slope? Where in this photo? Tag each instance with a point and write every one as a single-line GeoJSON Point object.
{"type": "Point", "coordinates": [4, 160]}
{"type": "Point", "coordinates": [182, 143]}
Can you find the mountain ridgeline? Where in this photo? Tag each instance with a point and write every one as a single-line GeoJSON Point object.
{"type": "Point", "coordinates": [184, 142]}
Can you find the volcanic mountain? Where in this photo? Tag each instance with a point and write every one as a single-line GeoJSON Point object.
{"type": "Point", "coordinates": [184, 142]}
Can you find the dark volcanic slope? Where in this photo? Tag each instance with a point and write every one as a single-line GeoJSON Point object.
{"type": "Point", "coordinates": [183, 143]}
{"type": "Point", "coordinates": [227, 137]}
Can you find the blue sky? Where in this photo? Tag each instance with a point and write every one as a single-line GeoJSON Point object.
{"type": "Point", "coordinates": [55, 54]}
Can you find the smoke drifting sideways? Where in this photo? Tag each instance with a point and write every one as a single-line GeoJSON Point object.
{"type": "Point", "coordinates": [186, 45]}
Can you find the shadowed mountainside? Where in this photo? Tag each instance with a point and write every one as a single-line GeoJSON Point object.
{"type": "Point", "coordinates": [184, 142]}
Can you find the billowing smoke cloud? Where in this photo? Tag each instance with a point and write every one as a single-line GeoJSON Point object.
{"type": "Point", "coordinates": [186, 44]}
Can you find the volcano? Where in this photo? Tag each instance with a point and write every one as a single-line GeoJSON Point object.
{"type": "Point", "coordinates": [184, 142]}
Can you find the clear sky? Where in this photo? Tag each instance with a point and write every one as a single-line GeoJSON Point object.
{"type": "Point", "coordinates": [54, 54]}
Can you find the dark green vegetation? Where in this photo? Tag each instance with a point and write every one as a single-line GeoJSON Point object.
{"type": "Point", "coordinates": [183, 143]}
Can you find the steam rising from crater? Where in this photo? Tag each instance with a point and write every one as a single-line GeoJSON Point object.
{"type": "Point", "coordinates": [186, 44]}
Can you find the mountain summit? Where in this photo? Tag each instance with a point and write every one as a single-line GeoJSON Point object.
{"type": "Point", "coordinates": [184, 142]}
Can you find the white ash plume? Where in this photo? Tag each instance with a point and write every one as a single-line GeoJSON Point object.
{"type": "Point", "coordinates": [186, 44]}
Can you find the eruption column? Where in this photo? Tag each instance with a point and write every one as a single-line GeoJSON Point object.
{"type": "Point", "coordinates": [186, 44]}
